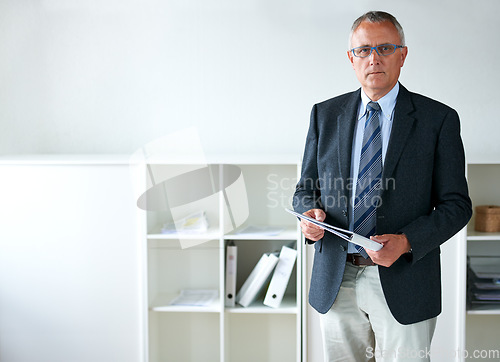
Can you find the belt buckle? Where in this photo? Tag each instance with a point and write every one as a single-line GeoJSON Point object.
{"type": "Point", "coordinates": [352, 258]}
{"type": "Point", "coordinates": [357, 261]}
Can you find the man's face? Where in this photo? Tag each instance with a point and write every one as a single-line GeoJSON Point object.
{"type": "Point", "coordinates": [377, 74]}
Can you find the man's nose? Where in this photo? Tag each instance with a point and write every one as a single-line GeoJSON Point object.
{"type": "Point", "coordinates": [374, 57]}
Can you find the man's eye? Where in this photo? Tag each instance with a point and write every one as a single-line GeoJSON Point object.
{"type": "Point", "coordinates": [363, 51]}
{"type": "Point", "coordinates": [385, 49]}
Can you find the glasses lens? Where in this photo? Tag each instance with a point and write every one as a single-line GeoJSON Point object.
{"type": "Point", "coordinates": [386, 49]}
{"type": "Point", "coordinates": [362, 52]}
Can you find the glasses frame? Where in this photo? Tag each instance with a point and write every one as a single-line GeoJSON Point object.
{"type": "Point", "coordinates": [372, 48]}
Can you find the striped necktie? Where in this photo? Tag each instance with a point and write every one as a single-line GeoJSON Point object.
{"type": "Point", "coordinates": [369, 177]}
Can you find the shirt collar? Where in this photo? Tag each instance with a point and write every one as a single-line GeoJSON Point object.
{"type": "Point", "coordinates": [387, 103]}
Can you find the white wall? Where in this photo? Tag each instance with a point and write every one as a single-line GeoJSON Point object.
{"type": "Point", "coordinates": [90, 76]}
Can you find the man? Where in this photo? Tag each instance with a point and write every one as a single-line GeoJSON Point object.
{"type": "Point", "coordinates": [388, 164]}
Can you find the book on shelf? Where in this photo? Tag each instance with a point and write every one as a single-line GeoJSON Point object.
{"type": "Point", "coordinates": [281, 277]}
{"type": "Point", "coordinates": [257, 279]}
{"type": "Point", "coordinates": [231, 267]}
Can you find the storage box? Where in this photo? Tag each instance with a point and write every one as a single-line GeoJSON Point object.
{"type": "Point", "coordinates": [487, 218]}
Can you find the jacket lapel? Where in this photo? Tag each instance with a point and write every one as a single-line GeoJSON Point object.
{"type": "Point", "coordinates": [346, 122]}
{"type": "Point", "coordinates": [401, 128]}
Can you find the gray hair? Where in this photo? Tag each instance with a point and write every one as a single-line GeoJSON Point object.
{"type": "Point", "coordinates": [378, 17]}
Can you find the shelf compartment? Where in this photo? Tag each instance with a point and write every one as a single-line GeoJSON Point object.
{"type": "Point", "coordinates": [261, 337]}
{"type": "Point", "coordinates": [172, 269]}
{"type": "Point", "coordinates": [269, 189]}
{"type": "Point", "coordinates": [184, 337]}
{"type": "Point", "coordinates": [252, 251]}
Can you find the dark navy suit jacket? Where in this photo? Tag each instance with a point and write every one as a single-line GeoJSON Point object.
{"type": "Point", "coordinates": [425, 196]}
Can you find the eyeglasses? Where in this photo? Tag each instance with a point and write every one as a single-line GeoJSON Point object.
{"type": "Point", "coordinates": [384, 49]}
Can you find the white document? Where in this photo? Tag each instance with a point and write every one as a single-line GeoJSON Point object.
{"type": "Point", "coordinates": [231, 264]}
{"type": "Point", "coordinates": [256, 280]}
{"type": "Point", "coordinates": [281, 277]}
{"type": "Point", "coordinates": [341, 233]}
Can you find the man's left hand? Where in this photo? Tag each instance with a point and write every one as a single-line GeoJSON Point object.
{"type": "Point", "coordinates": [395, 245]}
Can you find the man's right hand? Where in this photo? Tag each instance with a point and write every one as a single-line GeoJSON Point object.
{"type": "Point", "coordinates": [311, 231]}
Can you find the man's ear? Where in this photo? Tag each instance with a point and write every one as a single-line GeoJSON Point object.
{"type": "Point", "coordinates": [351, 58]}
{"type": "Point", "coordinates": [404, 53]}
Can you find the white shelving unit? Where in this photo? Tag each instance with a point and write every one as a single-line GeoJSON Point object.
{"type": "Point", "coordinates": [483, 183]}
{"type": "Point", "coordinates": [173, 262]}
{"type": "Point", "coordinates": [483, 321]}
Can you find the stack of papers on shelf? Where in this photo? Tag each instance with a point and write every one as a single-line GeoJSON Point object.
{"type": "Point", "coordinates": [484, 282]}
{"type": "Point", "coordinates": [196, 297]}
{"type": "Point", "coordinates": [487, 283]}
{"type": "Point", "coordinates": [195, 223]}
{"type": "Point", "coordinates": [488, 295]}
{"type": "Point", "coordinates": [486, 271]}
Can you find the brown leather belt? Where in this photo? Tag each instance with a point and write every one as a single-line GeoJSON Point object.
{"type": "Point", "coordinates": [358, 260]}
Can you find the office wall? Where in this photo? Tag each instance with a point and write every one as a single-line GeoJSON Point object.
{"type": "Point", "coordinates": [108, 76]}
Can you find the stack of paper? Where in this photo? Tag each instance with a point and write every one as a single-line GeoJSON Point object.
{"type": "Point", "coordinates": [195, 223]}
{"type": "Point", "coordinates": [484, 281]}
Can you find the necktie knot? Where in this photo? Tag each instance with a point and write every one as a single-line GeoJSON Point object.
{"type": "Point", "coordinates": [373, 106]}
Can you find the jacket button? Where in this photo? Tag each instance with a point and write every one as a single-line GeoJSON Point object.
{"type": "Point", "coordinates": [344, 212]}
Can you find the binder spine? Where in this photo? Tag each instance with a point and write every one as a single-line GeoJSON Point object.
{"type": "Point", "coordinates": [231, 268]}
{"type": "Point", "coordinates": [281, 277]}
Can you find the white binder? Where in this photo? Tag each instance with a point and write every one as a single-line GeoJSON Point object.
{"type": "Point", "coordinates": [231, 263]}
{"type": "Point", "coordinates": [280, 278]}
{"type": "Point", "coordinates": [256, 280]}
